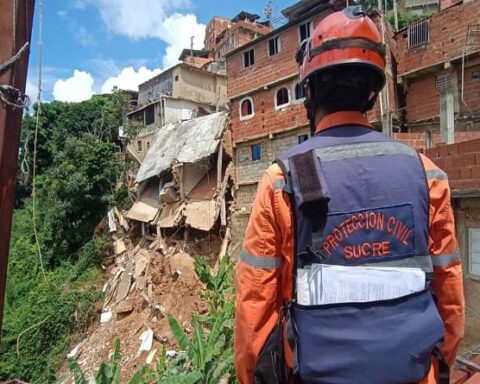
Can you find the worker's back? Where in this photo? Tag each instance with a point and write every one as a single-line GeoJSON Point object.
{"type": "Point", "coordinates": [376, 195]}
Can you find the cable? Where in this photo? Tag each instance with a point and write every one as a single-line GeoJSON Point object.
{"type": "Point", "coordinates": [39, 111]}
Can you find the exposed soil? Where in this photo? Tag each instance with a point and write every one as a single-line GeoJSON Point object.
{"type": "Point", "coordinates": [168, 285]}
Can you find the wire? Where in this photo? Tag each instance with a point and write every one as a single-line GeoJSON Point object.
{"type": "Point", "coordinates": [39, 111]}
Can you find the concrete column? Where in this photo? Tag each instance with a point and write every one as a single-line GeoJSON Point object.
{"type": "Point", "coordinates": [447, 116]}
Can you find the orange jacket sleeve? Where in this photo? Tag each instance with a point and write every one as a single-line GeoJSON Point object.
{"type": "Point", "coordinates": [266, 252]}
{"type": "Point", "coordinates": [447, 282]}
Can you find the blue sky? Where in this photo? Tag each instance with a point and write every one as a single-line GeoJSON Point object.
{"type": "Point", "coordinates": [91, 45]}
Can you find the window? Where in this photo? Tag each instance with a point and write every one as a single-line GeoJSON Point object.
{"type": "Point", "coordinates": [256, 152]}
{"type": "Point", "coordinates": [282, 97]}
{"type": "Point", "coordinates": [148, 145]}
{"type": "Point", "coordinates": [139, 146]}
{"type": "Point", "coordinates": [305, 30]}
{"type": "Point", "coordinates": [299, 91]}
{"type": "Point", "coordinates": [150, 115]}
{"type": "Point", "coordinates": [444, 82]}
{"type": "Point", "coordinates": [418, 33]}
{"type": "Point", "coordinates": [302, 138]}
{"type": "Point", "coordinates": [246, 109]}
{"type": "Point", "coordinates": [274, 46]}
{"type": "Point", "coordinates": [474, 251]}
{"type": "Point", "coordinates": [248, 58]}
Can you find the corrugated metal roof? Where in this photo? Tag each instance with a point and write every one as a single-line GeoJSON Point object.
{"type": "Point", "coordinates": [185, 142]}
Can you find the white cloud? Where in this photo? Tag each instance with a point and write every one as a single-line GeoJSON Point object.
{"type": "Point", "coordinates": [76, 88]}
{"type": "Point", "coordinates": [154, 19]}
{"type": "Point", "coordinates": [178, 32]}
{"type": "Point", "coordinates": [129, 78]}
{"type": "Point", "coordinates": [85, 38]}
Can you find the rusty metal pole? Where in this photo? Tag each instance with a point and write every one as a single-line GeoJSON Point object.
{"type": "Point", "coordinates": [16, 18]}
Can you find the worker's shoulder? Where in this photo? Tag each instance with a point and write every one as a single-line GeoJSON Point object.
{"type": "Point", "coordinates": [274, 172]}
{"type": "Point", "coordinates": [428, 164]}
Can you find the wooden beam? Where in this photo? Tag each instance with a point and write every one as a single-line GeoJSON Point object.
{"type": "Point", "coordinates": [15, 76]}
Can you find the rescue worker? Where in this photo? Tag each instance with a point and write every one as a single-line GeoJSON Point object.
{"type": "Point", "coordinates": [354, 170]}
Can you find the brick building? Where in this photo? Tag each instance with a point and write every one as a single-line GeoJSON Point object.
{"type": "Point", "coordinates": [439, 70]}
{"type": "Point", "coordinates": [266, 104]}
{"type": "Point", "coordinates": [224, 35]}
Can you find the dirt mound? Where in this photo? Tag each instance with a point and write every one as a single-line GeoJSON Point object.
{"type": "Point", "coordinates": [144, 284]}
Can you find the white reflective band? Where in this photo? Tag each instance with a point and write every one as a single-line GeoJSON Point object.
{"type": "Point", "coordinates": [445, 260]}
{"type": "Point", "coordinates": [348, 151]}
{"type": "Point", "coordinates": [279, 184]}
{"type": "Point", "coordinates": [436, 174]}
{"type": "Point", "coordinates": [260, 262]}
{"type": "Point", "coordinates": [422, 262]}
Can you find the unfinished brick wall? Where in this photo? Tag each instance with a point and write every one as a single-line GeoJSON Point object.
{"type": "Point", "coordinates": [267, 118]}
{"type": "Point", "coordinates": [418, 140]}
{"type": "Point", "coordinates": [266, 68]}
{"type": "Point", "coordinates": [250, 171]}
{"type": "Point", "coordinates": [471, 90]}
{"type": "Point", "coordinates": [422, 99]}
{"type": "Point", "coordinates": [215, 26]}
{"type": "Point", "coordinates": [461, 161]}
{"type": "Point", "coordinates": [448, 32]}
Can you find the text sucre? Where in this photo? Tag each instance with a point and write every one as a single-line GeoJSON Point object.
{"type": "Point", "coordinates": [362, 221]}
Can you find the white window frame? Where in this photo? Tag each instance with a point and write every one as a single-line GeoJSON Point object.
{"type": "Point", "coordinates": [247, 117]}
{"type": "Point", "coordinates": [279, 107]}
{"type": "Point", "coordinates": [243, 57]}
{"type": "Point", "coordinates": [279, 45]}
{"type": "Point", "coordinates": [311, 29]}
{"type": "Point", "coordinates": [294, 93]}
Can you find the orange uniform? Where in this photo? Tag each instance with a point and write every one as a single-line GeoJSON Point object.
{"type": "Point", "coordinates": [263, 274]}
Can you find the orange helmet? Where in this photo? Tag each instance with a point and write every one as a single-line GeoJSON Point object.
{"type": "Point", "coordinates": [347, 38]}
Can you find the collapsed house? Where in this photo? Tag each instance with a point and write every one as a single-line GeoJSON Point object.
{"type": "Point", "coordinates": [184, 179]}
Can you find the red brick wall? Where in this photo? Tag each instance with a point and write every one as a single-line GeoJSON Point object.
{"type": "Point", "coordinates": [266, 68]}
{"type": "Point", "coordinates": [216, 26]}
{"type": "Point", "coordinates": [471, 91]}
{"type": "Point", "coordinates": [417, 140]}
{"type": "Point", "coordinates": [422, 99]}
{"type": "Point", "coordinates": [448, 3]}
{"type": "Point", "coordinates": [461, 161]}
{"type": "Point", "coordinates": [267, 119]}
{"type": "Point", "coordinates": [448, 31]}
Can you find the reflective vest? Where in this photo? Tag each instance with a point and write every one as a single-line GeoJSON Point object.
{"type": "Point", "coordinates": [360, 199]}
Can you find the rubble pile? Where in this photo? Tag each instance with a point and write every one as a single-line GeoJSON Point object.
{"type": "Point", "coordinates": [145, 282]}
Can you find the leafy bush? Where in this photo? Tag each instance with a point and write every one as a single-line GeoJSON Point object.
{"type": "Point", "coordinates": [205, 358]}
{"type": "Point", "coordinates": [77, 173]}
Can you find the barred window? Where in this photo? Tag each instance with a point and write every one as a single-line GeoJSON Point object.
{"type": "Point", "coordinates": [418, 33]}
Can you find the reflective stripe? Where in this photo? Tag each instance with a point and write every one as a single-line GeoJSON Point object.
{"type": "Point", "coordinates": [279, 184]}
{"type": "Point", "coordinates": [422, 262]}
{"type": "Point", "coordinates": [445, 260]}
{"type": "Point", "coordinates": [260, 262]}
{"type": "Point", "coordinates": [436, 174]}
{"type": "Point", "coordinates": [342, 152]}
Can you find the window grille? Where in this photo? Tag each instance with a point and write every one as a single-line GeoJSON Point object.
{"type": "Point", "coordinates": [418, 33]}
{"type": "Point", "coordinates": [444, 82]}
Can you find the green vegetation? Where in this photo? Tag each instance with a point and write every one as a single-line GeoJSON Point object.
{"type": "Point", "coordinates": [78, 170]}
{"type": "Point", "coordinates": [406, 18]}
{"type": "Point", "coordinates": [205, 358]}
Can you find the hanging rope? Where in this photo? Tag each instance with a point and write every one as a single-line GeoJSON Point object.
{"type": "Point", "coordinates": [14, 58]}
{"type": "Point", "coordinates": [39, 111]}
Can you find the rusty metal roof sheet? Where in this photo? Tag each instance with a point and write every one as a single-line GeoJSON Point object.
{"type": "Point", "coordinates": [185, 142]}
